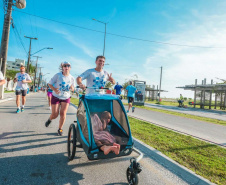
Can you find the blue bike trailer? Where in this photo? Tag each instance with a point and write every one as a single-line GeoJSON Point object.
{"type": "Point", "coordinates": [118, 126]}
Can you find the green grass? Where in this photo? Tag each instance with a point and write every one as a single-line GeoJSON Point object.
{"type": "Point", "coordinates": [75, 101]}
{"type": "Point", "coordinates": [215, 121]}
{"type": "Point", "coordinates": [8, 91]}
{"type": "Point", "coordinates": [206, 160]}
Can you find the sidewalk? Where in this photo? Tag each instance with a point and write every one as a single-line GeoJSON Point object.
{"type": "Point", "coordinates": [214, 114]}
{"type": "Point", "coordinates": [8, 97]}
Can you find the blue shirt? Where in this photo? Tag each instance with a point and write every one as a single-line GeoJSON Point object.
{"type": "Point", "coordinates": [118, 89]}
{"type": "Point", "coordinates": [131, 91]}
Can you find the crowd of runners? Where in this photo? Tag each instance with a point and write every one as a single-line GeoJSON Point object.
{"type": "Point", "coordinates": [61, 85]}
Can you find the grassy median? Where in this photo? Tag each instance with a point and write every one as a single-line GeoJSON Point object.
{"type": "Point", "coordinates": [215, 121]}
{"type": "Point", "coordinates": [206, 160]}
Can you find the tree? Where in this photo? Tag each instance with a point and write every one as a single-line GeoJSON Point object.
{"type": "Point", "coordinates": [10, 74]}
{"type": "Point", "coordinates": [109, 85]}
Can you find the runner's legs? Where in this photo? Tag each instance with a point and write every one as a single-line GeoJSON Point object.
{"type": "Point", "coordinates": [63, 111]}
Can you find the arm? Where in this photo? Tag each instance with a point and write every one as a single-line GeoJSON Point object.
{"type": "Point", "coordinates": [79, 82]}
{"type": "Point", "coordinates": [57, 91]}
{"type": "Point", "coordinates": [2, 82]}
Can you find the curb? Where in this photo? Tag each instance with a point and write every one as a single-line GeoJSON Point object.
{"type": "Point", "coordinates": [6, 99]}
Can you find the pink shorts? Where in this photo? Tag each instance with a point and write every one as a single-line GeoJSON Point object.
{"type": "Point", "coordinates": [49, 94]}
{"type": "Point", "coordinates": [56, 100]}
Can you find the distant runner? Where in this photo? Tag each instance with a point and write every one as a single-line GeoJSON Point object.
{"type": "Point", "coordinates": [61, 84]}
{"type": "Point", "coordinates": [96, 77]}
{"type": "Point", "coordinates": [49, 95]}
{"type": "Point", "coordinates": [130, 95]}
{"type": "Point", "coordinates": [2, 79]}
{"type": "Point", "coordinates": [118, 88]}
{"type": "Point", "coordinates": [22, 80]}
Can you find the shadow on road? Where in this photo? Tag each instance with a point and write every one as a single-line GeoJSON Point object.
{"type": "Point", "coordinates": [38, 169]}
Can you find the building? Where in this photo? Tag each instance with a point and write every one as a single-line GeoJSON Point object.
{"type": "Point", "coordinates": [14, 65]}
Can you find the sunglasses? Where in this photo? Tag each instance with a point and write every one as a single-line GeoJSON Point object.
{"type": "Point", "coordinates": [67, 66]}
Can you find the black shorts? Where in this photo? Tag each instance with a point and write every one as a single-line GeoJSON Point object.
{"type": "Point", "coordinates": [130, 99]}
{"type": "Point", "coordinates": [23, 92]}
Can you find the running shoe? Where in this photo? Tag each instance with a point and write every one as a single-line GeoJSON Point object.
{"type": "Point", "coordinates": [18, 110]}
{"type": "Point", "coordinates": [48, 122]}
{"type": "Point", "coordinates": [60, 132]}
{"type": "Point", "coordinates": [133, 108]}
{"type": "Point", "coordinates": [22, 109]}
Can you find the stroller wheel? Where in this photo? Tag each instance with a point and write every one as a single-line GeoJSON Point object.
{"type": "Point", "coordinates": [132, 177]}
{"type": "Point", "coordinates": [71, 142]}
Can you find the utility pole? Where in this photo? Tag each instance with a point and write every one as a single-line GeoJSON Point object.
{"type": "Point", "coordinates": [29, 53]}
{"type": "Point", "coordinates": [160, 83]}
{"type": "Point", "coordinates": [36, 67]}
{"type": "Point", "coordinates": [5, 41]}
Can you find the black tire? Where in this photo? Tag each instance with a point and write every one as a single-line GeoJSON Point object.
{"type": "Point", "coordinates": [132, 177]}
{"type": "Point", "coordinates": [71, 142]}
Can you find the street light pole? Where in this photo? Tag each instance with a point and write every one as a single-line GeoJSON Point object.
{"type": "Point", "coordinates": [29, 53]}
{"type": "Point", "coordinates": [36, 67]}
{"type": "Point", "coordinates": [160, 83]}
{"type": "Point", "coordinates": [105, 23]}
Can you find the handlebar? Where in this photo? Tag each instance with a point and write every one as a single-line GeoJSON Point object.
{"type": "Point", "coordinates": [94, 87]}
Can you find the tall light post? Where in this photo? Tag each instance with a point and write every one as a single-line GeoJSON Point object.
{"type": "Point", "coordinates": [105, 23]}
{"type": "Point", "coordinates": [29, 53]}
{"type": "Point", "coordinates": [160, 83]}
{"type": "Point", "coordinates": [36, 66]}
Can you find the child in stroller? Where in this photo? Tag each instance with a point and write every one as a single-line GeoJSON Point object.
{"type": "Point", "coordinates": [104, 140]}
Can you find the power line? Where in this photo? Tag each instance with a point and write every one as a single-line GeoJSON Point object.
{"type": "Point", "coordinates": [123, 36]}
{"type": "Point", "coordinates": [18, 35]}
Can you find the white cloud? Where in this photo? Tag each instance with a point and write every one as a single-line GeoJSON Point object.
{"type": "Point", "coordinates": [182, 65]}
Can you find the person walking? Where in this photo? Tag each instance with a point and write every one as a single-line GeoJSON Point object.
{"type": "Point", "coordinates": [49, 95]}
{"type": "Point", "coordinates": [130, 95]}
{"type": "Point", "coordinates": [22, 80]}
{"type": "Point", "coordinates": [61, 84]}
{"type": "Point", "coordinates": [118, 88]}
{"type": "Point", "coordinates": [95, 77]}
{"type": "Point", "coordinates": [2, 79]}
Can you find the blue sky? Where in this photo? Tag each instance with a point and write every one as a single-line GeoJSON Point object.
{"type": "Point", "coordinates": [166, 22]}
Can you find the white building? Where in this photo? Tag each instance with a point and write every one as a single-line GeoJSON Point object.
{"type": "Point", "coordinates": [10, 65]}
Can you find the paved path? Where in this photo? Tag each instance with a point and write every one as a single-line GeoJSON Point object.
{"type": "Point", "coordinates": [215, 114]}
{"type": "Point", "coordinates": [30, 153]}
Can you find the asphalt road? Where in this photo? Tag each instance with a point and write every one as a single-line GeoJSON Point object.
{"type": "Point", "coordinates": [30, 153]}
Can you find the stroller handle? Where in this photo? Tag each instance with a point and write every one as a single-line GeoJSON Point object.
{"type": "Point", "coordinates": [94, 87]}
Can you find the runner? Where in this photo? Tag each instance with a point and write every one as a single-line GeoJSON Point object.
{"type": "Point", "coordinates": [61, 84]}
{"type": "Point", "coordinates": [22, 80]}
{"type": "Point", "coordinates": [118, 88]}
{"type": "Point", "coordinates": [130, 95]}
{"type": "Point", "coordinates": [2, 79]}
{"type": "Point", "coordinates": [96, 77]}
{"type": "Point", "coordinates": [49, 95]}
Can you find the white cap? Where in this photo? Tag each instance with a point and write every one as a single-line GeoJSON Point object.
{"type": "Point", "coordinates": [66, 63]}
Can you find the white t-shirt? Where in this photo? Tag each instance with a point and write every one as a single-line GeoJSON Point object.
{"type": "Point", "coordinates": [20, 84]}
{"type": "Point", "coordinates": [1, 76]}
{"type": "Point", "coordinates": [94, 79]}
{"type": "Point", "coordinates": [63, 83]}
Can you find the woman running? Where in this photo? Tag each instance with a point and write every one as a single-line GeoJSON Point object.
{"type": "Point", "coordinates": [61, 84]}
{"type": "Point", "coordinates": [49, 95]}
